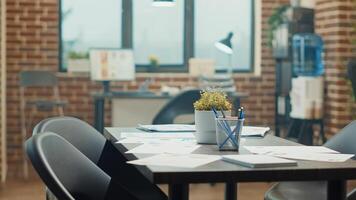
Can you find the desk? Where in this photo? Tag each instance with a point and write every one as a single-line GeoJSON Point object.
{"type": "Point", "coordinates": [99, 102]}
{"type": "Point", "coordinates": [178, 179]}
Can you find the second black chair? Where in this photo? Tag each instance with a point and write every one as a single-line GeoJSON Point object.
{"type": "Point", "coordinates": [180, 105]}
{"type": "Point", "coordinates": [101, 152]}
{"type": "Point", "coordinates": [343, 142]}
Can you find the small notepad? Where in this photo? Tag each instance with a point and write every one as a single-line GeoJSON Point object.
{"type": "Point", "coordinates": [258, 161]}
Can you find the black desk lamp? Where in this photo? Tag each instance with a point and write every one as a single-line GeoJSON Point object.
{"type": "Point", "coordinates": [225, 46]}
{"type": "Point", "coordinates": [163, 3]}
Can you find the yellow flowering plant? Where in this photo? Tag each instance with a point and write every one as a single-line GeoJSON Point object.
{"type": "Point", "coordinates": [212, 98]}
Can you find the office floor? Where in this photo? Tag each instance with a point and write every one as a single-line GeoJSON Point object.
{"type": "Point", "coordinates": [34, 190]}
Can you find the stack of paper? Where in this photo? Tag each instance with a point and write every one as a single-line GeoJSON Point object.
{"type": "Point", "coordinates": [254, 131]}
{"type": "Point", "coordinates": [160, 135]}
{"type": "Point", "coordinates": [313, 153]}
{"type": "Point", "coordinates": [177, 160]}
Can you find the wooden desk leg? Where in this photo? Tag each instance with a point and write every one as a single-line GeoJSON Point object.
{"type": "Point", "coordinates": [336, 190]}
{"type": "Point", "coordinates": [230, 191]}
{"type": "Point", "coordinates": [99, 114]}
{"type": "Point", "coordinates": [178, 191]}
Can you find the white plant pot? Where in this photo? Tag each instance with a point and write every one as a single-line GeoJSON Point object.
{"type": "Point", "coordinates": [205, 126]}
{"type": "Point", "coordinates": [78, 65]}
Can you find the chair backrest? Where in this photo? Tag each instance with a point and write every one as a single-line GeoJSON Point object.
{"type": "Point", "coordinates": [179, 105]}
{"type": "Point", "coordinates": [344, 141]}
{"type": "Point", "coordinates": [67, 172]}
{"type": "Point", "coordinates": [38, 79]}
{"type": "Point", "coordinates": [101, 152]}
{"type": "Point", "coordinates": [77, 132]}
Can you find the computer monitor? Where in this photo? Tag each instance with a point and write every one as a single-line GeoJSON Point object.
{"type": "Point", "coordinates": [112, 65]}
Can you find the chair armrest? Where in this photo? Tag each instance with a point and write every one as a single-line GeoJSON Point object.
{"type": "Point", "coordinates": [351, 195]}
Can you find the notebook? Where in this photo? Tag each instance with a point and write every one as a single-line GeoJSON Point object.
{"type": "Point", "coordinates": [258, 161]}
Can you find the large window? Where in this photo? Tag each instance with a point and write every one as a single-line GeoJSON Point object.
{"type": "Point", "coordinates": [171, 34]}
{"type": "Point", "coordinates": [214, 19]}
{"type": "Point", "coordinates": [89, 24]}
{"type": "Point", "coordinates": [158, 31]}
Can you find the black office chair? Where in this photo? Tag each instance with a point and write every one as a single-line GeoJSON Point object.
{"type": "Point", "coordinates": [101, 152]}
{"type": "Point", "coordinates": [343, 142]}
{"type": "Point", "coordinates": [179, 105]}
{"type": "Point", "coordinates": [68, 173]}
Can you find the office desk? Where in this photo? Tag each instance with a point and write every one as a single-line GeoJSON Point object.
{"type": "Point", "coordinates": [178, 179]}
{"type": "Point", "coordinates": [99, 102]}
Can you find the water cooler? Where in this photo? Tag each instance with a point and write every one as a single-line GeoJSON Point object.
{"type": "Point", "coordinates": [297, 21]}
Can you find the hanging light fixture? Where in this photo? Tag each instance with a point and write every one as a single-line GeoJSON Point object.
{"type": "Point", "coordinates": [163, 3]}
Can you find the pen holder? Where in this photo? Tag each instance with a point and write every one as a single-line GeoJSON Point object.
{"type": "Point", "coordinates": [228, 131]}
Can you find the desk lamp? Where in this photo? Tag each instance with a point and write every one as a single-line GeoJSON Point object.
{"type": "Point", "coordinates": [225, 46]}
{"type": "Point", "coordinates": [163, 3]}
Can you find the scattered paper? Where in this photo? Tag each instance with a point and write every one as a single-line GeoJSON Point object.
{"type": "Point", "coordinates": [168, 128]}
{"type": "Point", "coordinates": [145, 140]}
{"type": "Point", "coordinates": [160, 135]}
{"type": "Point", "coordinates": [160, 148]}
{"type": "Point", "coordinates": [313, 153]}
{"type": "Point", "coordinates": [323, 157]}
{"type": "Point", "coordinates": [288, 149]}
{"type": "Point", "coordinates": [177, 160]}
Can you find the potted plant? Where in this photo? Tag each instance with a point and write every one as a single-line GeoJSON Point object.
{"type": "Point", "coordinates": [78, 62]}
{"type": "Point", "coordinates": [204, 116]}
{"type": "Point", "coordinates": [154, 63]}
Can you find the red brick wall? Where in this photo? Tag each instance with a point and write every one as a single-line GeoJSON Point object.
{"type": "Point", "coordinates": [334, 20]}
{"type": "Point", "coordinates": [33, 44]}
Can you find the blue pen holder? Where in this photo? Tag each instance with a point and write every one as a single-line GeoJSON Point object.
{"type": "Point", "coordinates": [228, 132]}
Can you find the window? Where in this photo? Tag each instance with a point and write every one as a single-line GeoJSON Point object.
{"type": "Point", "coordinates": [214, 19]}
{"type": "Point", "coordinates": [89, 24]}
{"type": "Point", "coordinates": [171, 34]}
{"type": "Point", "coordinates": [158, 31]}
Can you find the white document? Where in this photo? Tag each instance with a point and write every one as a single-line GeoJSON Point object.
{"type": "Point", "coordinates": [251, 131]}
{"type": "Point", "coordinates": [258, 161]}
{"type": "Point", "coordinates": [177, 160]}
{"type": "Point", "coordinates": [160, 148]}
{"type": "Point", "coordinates": [168, 128]}
{"type": "Point", "coordinates": [323, 157]}
{"type": "Point", "coordinates": [160, 135]}
{"type": "Point", "coordinates": [288, 149]}
{"type": "Point", "coordinates": [145, 140]}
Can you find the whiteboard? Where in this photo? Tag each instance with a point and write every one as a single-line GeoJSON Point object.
{"type": "Point", "coordinates": [112, 65]}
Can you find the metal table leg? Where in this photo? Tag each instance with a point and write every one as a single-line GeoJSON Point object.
{"type": "Point", "coordinates": [230, 191]}
{"type": "Point", "coordinates": [336, 190]}
{"type": "Point", "coordinates": [178, 191]}
{"type": "Point", "coordinates": [99, 114]}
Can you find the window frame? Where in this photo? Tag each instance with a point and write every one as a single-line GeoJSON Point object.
{"type": "Point", "coordinates": [188, 38]}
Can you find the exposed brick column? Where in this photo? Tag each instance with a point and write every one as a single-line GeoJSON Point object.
{"type": "Point", "coordinates": [333, 22]}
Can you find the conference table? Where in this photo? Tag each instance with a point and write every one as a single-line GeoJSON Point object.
{"type": "Point", "coordinates": [178, 179]}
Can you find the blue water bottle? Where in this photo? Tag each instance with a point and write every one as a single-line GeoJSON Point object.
{"type": "Point", "coordinates": [308, 53]}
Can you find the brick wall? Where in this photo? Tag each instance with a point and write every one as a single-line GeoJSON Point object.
{"type": "Point", "coordinates": [334, 20]}
{"type": "Point", "coordinates": [32, 43]}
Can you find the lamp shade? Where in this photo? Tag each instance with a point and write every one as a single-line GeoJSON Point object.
{"type": "Point", "coordinates": [163, 3]}
{"type": "Point", "coordinates": [225, 45]}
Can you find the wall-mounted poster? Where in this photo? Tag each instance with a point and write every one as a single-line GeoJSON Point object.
{"type": "Point", "coordinates": [112, 64]}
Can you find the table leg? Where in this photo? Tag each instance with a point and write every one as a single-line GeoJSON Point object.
{"type": "Point", "coordinates": [178, 191]}
{"type": "Point", "coordinates": [336, 190]}
{"type": "Point", "coordinates": [230, 191]}
{"type": "Point", "coordinates": [99, 114]}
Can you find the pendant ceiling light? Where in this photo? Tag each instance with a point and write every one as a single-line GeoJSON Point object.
{"type": "Point", "coordinates": [163, 3]}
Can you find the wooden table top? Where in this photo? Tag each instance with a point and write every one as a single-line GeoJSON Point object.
{"type": "Point", "coordinates": [220, 171]}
